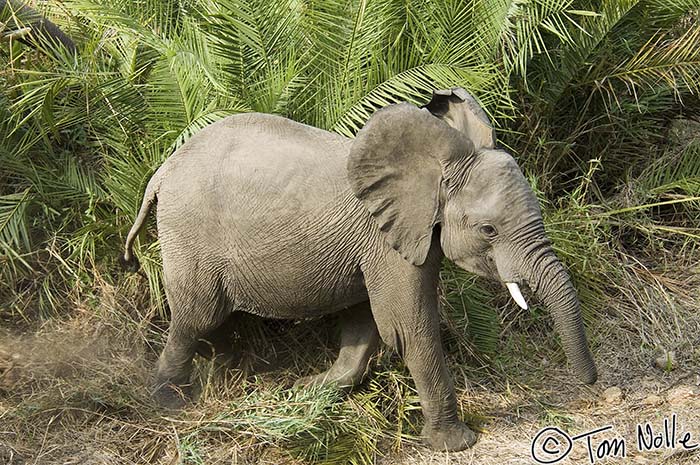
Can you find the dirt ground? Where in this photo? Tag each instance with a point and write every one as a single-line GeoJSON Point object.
{"type": "Point", "coordinates": [639, 401]}
{"type": "Point", "coordinates": [74, 392]}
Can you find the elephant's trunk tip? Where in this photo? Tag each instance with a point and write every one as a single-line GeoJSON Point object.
{"type": "Point", "coordinates": [589, 376]}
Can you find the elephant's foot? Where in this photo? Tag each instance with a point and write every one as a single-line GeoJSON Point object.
{"type": "Point", "coordinates": [171, 396]}
{"type": "Point", "coordinates": [453, 437]}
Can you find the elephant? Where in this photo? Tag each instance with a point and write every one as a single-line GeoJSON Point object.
{"type": "Point", "coordinates": [261, 214]}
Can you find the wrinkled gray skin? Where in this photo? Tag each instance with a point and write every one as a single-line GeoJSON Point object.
{"type": "Point", "coordinates": [261, 214]}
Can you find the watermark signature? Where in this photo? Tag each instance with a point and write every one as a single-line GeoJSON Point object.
{"type": "Point", "coordinates": [552, 445]}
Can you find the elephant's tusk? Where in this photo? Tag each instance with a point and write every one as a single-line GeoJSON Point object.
{"type": "Point", "coordinates": [516, 295]}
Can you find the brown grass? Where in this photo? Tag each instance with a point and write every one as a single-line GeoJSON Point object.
{"type": "Point", "coordinates": [75, 391]}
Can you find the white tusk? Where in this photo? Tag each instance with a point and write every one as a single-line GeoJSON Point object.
{"type": "Point", "coordinates": [516, 295]}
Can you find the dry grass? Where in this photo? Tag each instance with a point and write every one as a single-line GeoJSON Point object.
{"type": "Point", "coordinates": [75, 390]}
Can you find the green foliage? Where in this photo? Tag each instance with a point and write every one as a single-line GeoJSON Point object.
{"type": "Point", "coordinates": [313, 424]}
{"type": "Point", "coordinates": [594, 80]}
{"type": "Point", "coordinates": [471, 316]}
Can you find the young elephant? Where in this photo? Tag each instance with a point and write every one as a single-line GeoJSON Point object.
{"type": "Point", "coordinates": [261, 214]}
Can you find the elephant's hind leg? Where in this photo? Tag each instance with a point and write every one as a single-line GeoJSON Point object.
{"type": "Point", "coordinates": [358, 341]}
{"type": "Point", "coordinates": [197, 310]}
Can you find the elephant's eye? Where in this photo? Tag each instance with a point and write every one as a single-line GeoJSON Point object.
{"type": "Point", "coordinates": [488, 230]}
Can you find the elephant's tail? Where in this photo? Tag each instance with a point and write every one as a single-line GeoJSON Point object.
{"type": "Point", "coordinates": [128, 260]}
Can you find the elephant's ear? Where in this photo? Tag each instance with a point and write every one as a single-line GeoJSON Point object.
{"type": "Point", "coordinates": [459, 109]}
{"type": "Point", "coordinates": [394, 168]}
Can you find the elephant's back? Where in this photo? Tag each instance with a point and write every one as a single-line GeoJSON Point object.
{"type": "Point", "coordinates": [265, 157]}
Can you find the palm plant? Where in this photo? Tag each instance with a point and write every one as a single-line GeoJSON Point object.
{"type": "Point", "coordinates": [593, 79]}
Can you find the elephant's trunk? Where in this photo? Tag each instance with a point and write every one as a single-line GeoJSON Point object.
{"type": "Point", "coordinates": [551, 284]}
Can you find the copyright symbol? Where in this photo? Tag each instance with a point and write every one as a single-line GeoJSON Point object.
{"type": "Point", "coordinates": [550, 445]}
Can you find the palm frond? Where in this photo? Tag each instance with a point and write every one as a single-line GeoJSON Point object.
{"type": "Point", "coordinates": [557, 72]}
{"type": "Point", "coordinates": [415, 85]}
{"type": "Point", "coordinates": [673, 62]}
{"type": "Point", "coordinates": [14, 230]}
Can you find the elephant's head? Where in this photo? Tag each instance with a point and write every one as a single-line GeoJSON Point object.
{"type": "Point", "coordinates": [416, 169]}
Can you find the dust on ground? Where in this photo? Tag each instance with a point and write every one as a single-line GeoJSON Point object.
{"type": "Point", "coordinates": [642, 400]}
{"type": "Point", "coordinates": [75, 392]}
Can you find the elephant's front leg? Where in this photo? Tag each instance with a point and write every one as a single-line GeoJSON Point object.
{"type": "Point", "coordinates": [423, 355]}
{"type": "Point", "coordinates": [405, 308]}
